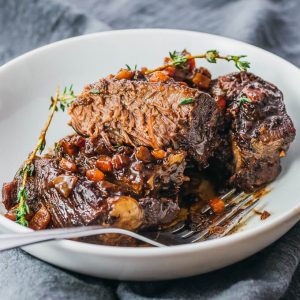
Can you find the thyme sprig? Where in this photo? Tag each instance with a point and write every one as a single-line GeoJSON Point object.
{"type": "Point", "coordinates": [65, 99]}
{"type": "Point", "coordinates": [211, 56]}
{"type": "Point", "coordinates": [177, 60]}
{"type": "Point", "coordinates": [28, 168]}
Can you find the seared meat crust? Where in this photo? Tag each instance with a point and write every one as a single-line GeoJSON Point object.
{"type": "Point", "coordinates": [260, 130]}
{"type": "Point", "coordinates": [149, 114]}
{"type": "Point", "coordinates": [68, 185]}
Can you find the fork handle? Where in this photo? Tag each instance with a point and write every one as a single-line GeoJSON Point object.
{"type": "Point", "coordinates": [15, 240]}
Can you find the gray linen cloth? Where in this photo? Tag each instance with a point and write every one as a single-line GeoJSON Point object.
{"type": "Point", "coordinates": [274, 273]}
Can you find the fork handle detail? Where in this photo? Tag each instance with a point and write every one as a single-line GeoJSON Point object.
{"type": "Point", "coordinates": [15, 240]}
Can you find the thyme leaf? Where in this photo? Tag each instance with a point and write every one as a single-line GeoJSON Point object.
{"type": "Point", "coordinates": [21, 213]}
{"type": "Point", "coordinates": [42, 146]}
{"type": "Point", "coordinates": [131, 69]}
{"type": "Point", "coordinates": [29, 168]}
{"type": "Point", "coordinates": [65, 100]}
{"type": "Point", "coordinates": [242, 65]}
{"type": "Point", "coordinates": [95, 91]}
{"type": "Point", "coordinates": [186, 101]}
{"type": "Point", "coordinates": [243, 100]}
{"type": "Point", "coordinates": [177, 60]}
{"type": "Point", "coordinates": [22, 193]}
{"type": "Point", "coordinates": [212, 56]}
{"type": "Point", "coordinates": [57, 149]}
{"type": "Point", "coordinates": [22, 210]}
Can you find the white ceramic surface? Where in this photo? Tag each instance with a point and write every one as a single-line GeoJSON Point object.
{"type": "Point", "coordinates": [25, 86]}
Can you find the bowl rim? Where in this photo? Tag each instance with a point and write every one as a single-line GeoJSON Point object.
{"type": "Point", "coordinates": [81, 247]}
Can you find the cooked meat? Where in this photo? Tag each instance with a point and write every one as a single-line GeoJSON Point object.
{"type": "Point", "coordinates": [9, 193]}
{"type": "Point", "coordinates": [142, 113]}
{"type": "Point", "coordinates": [187, 72]}
{"type": "Point", "coordinates": [139, 171]}
{"type": "Point", "coordinates": [84, 183]}
{"type": "Point", "coordinates": [158, 211]}
{"type": "Point", "coordinates": [151, 150]}
{"type": "Point", "coordinates": [260, 128]}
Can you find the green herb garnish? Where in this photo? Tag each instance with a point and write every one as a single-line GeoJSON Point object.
{"type": "Point", "coordinates": [186, 101]}
{"type": "Point", "coordinates": [28, 169]}
{"type": "Point", "coordinates": [57, 148]}
{"type": "Point", "coordinates": [22, 209]}
{"type": "Point", "coordinates": [65, 99]}
{"type": "Point", "coordinates": [177, 60]}
{"type": "Point", "coordinates": [240, 64]}
{"type": "Point", "coordinates": [211, 56]}
{"type": "Point", "coordinates": [42, 146]}
{"type": "Point", "coordinates": [95, 91]}
{"type": "Point", "coordinates": [131, 69]}
{"type": "Point", "coordinates": [243, 100]}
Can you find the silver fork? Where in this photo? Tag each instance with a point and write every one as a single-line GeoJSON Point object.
{"type": "Point", "coordinates": [237, 208]}
{"type": "Point", "coordinates": [15, 240]}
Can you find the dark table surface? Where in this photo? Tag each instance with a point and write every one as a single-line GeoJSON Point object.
{"type": "Point", "coordinates": [274, 273]}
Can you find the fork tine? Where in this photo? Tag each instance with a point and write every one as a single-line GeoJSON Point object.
{"type": "Point", "coordinates": [237, 219]}
{"type": "Point", "coordinates": [228, 194]}
{"type": "Point", "coordinates": [187, 233]}
{"type": "Point", "coordinates": [206, 208]}
{"type": "Point", "coordinates": [224, 218]}
{"type": "Point", "coordinates": [177, 227]}
{"type": "Point", "coordinates": [236, 199]}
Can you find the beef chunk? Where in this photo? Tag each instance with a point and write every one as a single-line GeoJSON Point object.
{"type": "Point", "coordinates": [9, 193]}
{"type": "Point", "coordinates": [142, 113]}
{"type": "Point", "coordinates": [84, 183]}
{"type": "Point", "coordinates": [229, 86]}
{"type": "Point", "coordinates": [260, 129]}
{"type": "Point", "coordinates": [162, 211]}
{"type": "Point", "coordinates": [140, 171]}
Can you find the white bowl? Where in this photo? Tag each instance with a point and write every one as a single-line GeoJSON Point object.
{"type": "Point", "coordinates": [25, 86]}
